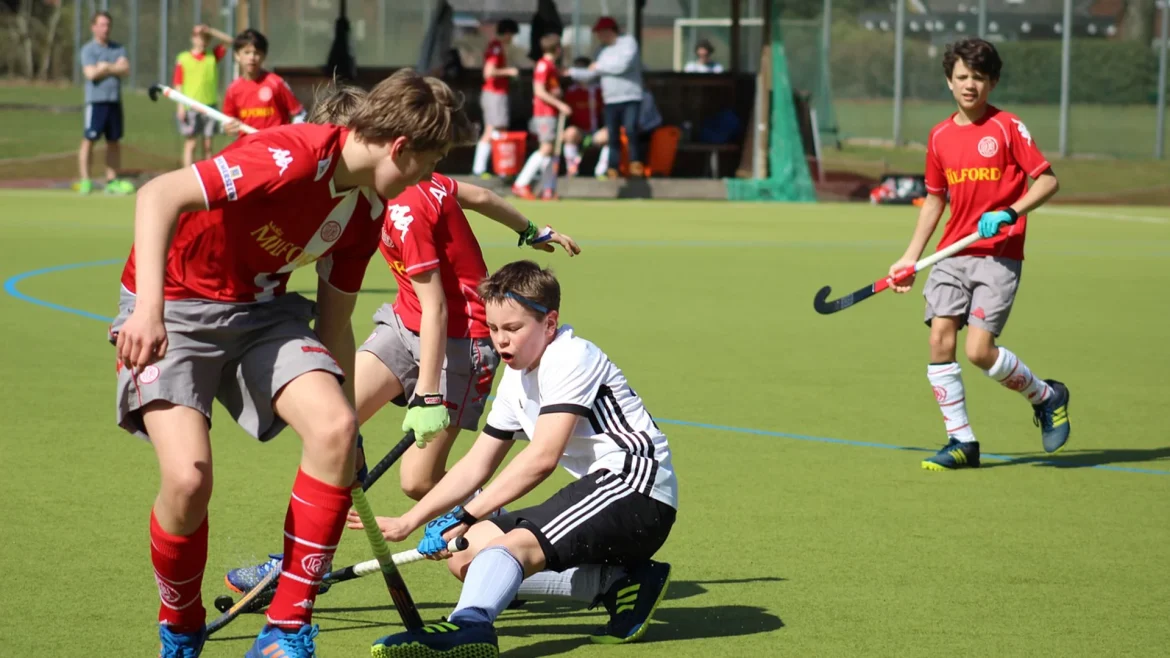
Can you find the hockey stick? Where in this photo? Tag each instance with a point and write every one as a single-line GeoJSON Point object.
{"type": "Point", "coordinates": [394, 583]}
{"type": "Point", "coordinates": [362, 569]}
{"type": "Point", "coordinates": [219, 117]}
{"type": "Point", "coordinates": [261, 595]}
{"type": "Point", "coordinates": [823, 306]}
{"type": "Point", "coordinates": [548, 177]}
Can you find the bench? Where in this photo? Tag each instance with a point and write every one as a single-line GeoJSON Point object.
{"type": "Point", "coordinates": [713, 151]}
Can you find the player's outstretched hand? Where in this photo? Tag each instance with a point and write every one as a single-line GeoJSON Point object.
{"type": "Point", "coordinates": [393, 529]}
{"type": "Point", "coordinates": [901, 285]}
{"type": "Point", "coordinates": [566, 242]}
{"type": "Point", "coordinates": [142, 340]}
{"type": "Point", "coordinates": [232, 127]}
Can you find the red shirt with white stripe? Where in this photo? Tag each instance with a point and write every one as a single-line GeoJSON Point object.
{"type": "Point", "coordinates": [496, 54]}
{"type": "Point", "coordinates": [983, 166]}
{"type": "Point", "coordinates": [266, 102]}
{"type": "Point", "coordinates": [425, 229]}
{"type": "Point", "coordinates": [271, 208]}
{"type": "Point", "coordinates": [546, 74]}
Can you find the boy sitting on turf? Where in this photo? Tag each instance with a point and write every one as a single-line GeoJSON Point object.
{"type": "Point", "coordinates": [983, 157]}
{"type": "Point", "coordinates": [574, 407]}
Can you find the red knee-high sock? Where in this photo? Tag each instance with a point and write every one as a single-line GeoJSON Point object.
{"type": "Point", "coordinates": [178, 570]}
{"type": "Point", "coordinates": [312, 529]}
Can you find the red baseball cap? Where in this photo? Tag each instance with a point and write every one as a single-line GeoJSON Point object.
{"type": "Point", "coordinates": [606, 23]}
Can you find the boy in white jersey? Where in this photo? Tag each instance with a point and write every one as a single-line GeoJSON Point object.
{"type": "Point", "coordinates": [593, 540]}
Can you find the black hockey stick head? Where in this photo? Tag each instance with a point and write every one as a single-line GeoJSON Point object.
{"type": "Point", "coordinates": [825, 307]}
{"type": "Point", "coordinates": [154, 92]}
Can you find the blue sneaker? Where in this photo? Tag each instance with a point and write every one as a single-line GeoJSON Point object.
{"type": "Point", "coordinates": [631, 603]}
{"type": "Point", "coordinates": [954, 455]}
{"type": "Point", "coordinates": [242, 580]}
{"type": "Point", "coordinates": [180, 645]}
{"type": "Point", "coordinates": [443, 640]}
{"type": "Point", "coordinates": [1052, 417]}
{"type": "Point", "coordinates": [275, 642]}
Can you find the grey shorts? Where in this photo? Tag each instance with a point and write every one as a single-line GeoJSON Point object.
{"type": "Point", "coordinates": [545, 129]}
{"type": "Point", "coordinates": [240, 354]}
{"type": "Point", "coordinates": [468, 370]}
{"type": "Point", "coordinates": [495, 109]}
{"type": "Point", "coordinates": [197, 124]}
{"type": "Point", "coordinates": [977, 289]}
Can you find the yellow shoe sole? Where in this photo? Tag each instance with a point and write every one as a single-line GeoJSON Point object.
{"type": "Point", "coordinates": [419, 650]}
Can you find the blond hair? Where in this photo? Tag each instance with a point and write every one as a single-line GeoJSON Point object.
{"type": "Point", "coordinates": [424, 110]}
{"type": "Point", "coordinates": [525, 282]}
{"type": "Point", "coordinates": [335, 103]}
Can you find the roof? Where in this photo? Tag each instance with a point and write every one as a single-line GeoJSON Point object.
{"type": "Point", "coordinates": [655, 12]}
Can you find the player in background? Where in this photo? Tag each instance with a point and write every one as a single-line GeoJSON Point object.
{"type": "Point", "coordinates": [204, 314]}
{"type": "Point", "coordinates": [259, 98]}
{"type": "Point", "coordinates": [197, 76]}
{"type": "Point", "coordinates": [434, 338]}
{"type": "Point", "coordinates": [104, 64]}
{"type": "Point", "coordinates": [493, 98]}
{"type": "Point", "coordinates": [586, 119]}
{"type": "Point", "coordinates": [981, 157]}
{"type": "Point", "coordinates": [546, 107]}
{"type": "Point", "coordinates": [593, 539]}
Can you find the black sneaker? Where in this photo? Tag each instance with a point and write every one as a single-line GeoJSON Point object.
{"type": "Point", "coordinates": [631, 603]}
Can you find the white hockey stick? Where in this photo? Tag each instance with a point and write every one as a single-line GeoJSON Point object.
{"type": "Point", "coordinates": [206, 110]}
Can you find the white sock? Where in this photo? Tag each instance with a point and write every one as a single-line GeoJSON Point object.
{"type": "Point", "coordinates": [947, 381]}
{"type": "Point", "coordinates": [535, 163]}
{"type": "Point", "coordinates": [483, 153]}
{"type": "Point", "coordinates": [491, 583]}
{"type": "Point", "coordinates": [602, 162]}
{"type": "Point", "coordinates": [1010, 371]}
{"type": "Point", "coordinates": [571, 152]}
{"type": "Point", "coordinates": [584, 583]}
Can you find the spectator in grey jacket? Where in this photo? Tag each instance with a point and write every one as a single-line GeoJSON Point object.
{"type": "Point", "coordinates": [619, 65]}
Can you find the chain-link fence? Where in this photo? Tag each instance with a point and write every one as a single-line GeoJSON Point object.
{"type": "Point", "coordinates": [862, 92]}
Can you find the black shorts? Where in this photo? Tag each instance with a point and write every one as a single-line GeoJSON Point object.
{"type": "Point", "coordinates": [103, 119]}
{"type": "Point", "coordinates": [598, 519]}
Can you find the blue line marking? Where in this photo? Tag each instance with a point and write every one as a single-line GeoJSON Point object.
{"type": "Point", "coordinates": [11, 289]}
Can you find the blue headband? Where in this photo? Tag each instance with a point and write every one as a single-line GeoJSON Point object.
{"type": "Point", "coordinates": [539, 308]}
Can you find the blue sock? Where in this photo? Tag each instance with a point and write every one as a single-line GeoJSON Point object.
{"type": "Point", "coordinates": [493, 578]}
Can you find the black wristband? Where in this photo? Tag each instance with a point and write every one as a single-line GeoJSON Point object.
{"type": "Point", "coordinates": [1012, 213]}
{"type": "Point", "coordinates": [464, 517]}
{"type": "Point", "coordinates": [427, 400]}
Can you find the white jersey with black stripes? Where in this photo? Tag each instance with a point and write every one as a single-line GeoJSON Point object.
{"type": "Point", "coordinates": [614, 433]}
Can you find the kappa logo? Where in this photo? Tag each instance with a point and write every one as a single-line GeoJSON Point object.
{"type": "Point", "coordinates": [304, 603]}
{"type": "Point", "coordinates": [316, 565]}
{"type": "Point", "coordinates": [282, 158]}
{"type": "Point", "coordinates": [1023, 130]}
{"type": "Point", "coordinates": [438, 192]}
{"type": "Point", "coordinates": [401, 219]}
{"type": "Point", "coordinates": [322, 167]}
{"type": "Point", "coordinates": [229, 176]}
{"type": "Point", "coordinates": [988, 146]}
{"type": "Point", "coordinates": [168, 594]}
{"type": "Point", "coordinates": [940, 394]}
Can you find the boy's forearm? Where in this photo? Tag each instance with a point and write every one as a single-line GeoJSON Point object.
{"type": "Point", "coordinates": [1041, 190]}
{"type": "Point", "coordinates": [456, 486]}
{"type": "Point", "coordinates": [928, 216]}
{"type": "Point", "coordinates": [531, 467]}
{"type": "Point", "coordinates": [432, 347]}
{"type": "Point", "coordinates": [491, 205]}
{"type": "Point", "coordinates": [156, 217]}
